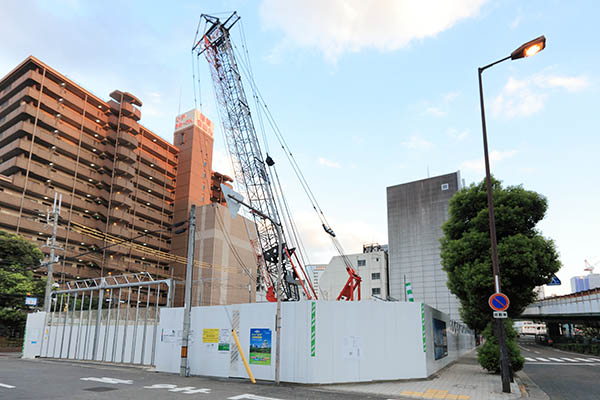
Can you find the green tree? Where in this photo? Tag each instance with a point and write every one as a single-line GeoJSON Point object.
{"type": "Point", "coordinates": [526, 258]}
{"type": "Point", "coordinates": [18, 258]}
{"type": "Point", "coordinates": [488, 355]}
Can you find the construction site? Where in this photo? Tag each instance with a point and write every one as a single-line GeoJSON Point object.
{"type": "Point", "coordinates": [157, 258]}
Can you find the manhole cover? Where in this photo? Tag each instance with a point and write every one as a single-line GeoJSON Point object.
{"type": "Point", "coordinates": [100, 389]}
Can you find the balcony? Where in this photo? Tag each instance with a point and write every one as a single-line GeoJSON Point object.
{"type": "Point", "coordinates": [119, 215]}
{"type": "Point", "coordinates": [126, 154]}
{"type": "Point", "coordinates": [123, 168]}
{"type": "Point", "coordinates": [120, 200]}
{"type": "Point", "coordinates": [123, 184]}
{"type": "Point", "coordinates": [128, 139]}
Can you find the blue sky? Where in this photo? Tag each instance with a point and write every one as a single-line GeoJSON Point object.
{"type": "Point", "coordinates": [367, 94]}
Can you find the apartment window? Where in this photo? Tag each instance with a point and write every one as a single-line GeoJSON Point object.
{"type": "Point", "coordinates": [375, 290]}
{"type": "Point", "coordinates": [444, 186]}
{"type": "Point", "coordinates": [182, 138]}
{"type": "Point", "coordinates": [375, 275]}
{"type": "Point", "coordinates": [362, 263]}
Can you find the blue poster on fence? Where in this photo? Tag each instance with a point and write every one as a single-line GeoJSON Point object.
{"type": "Point", "coordinates": [260, 346]}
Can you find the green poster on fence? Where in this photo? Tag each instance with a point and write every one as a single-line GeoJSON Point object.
{"type": "Point", "coordinates": [260, 346]}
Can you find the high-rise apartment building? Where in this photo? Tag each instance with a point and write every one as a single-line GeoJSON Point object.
{"type": "Point", "coordinates": [416, 212]}
{"type": "Point", "coordinates": [120, 182]}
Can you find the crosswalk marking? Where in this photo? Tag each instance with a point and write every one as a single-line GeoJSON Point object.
{"type": "Point", "coordinates": [575, 360]}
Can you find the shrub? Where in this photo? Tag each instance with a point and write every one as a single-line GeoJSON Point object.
{"type": "Point", "coordinates": [488, 355]}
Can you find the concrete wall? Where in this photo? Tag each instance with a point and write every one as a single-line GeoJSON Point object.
{"type": "Point", "coordinates": [354, 341]}
{"type": "Point", "coordinates": [416, 212]}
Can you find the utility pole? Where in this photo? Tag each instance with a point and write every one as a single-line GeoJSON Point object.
{"type": "Point", "coordinates": [184, 369]}
{"type": "Point", "coordinates": [234, 201]}
{"type": "Point", "coordinates": [279, 286]}
{"type": "Point", "coordinates": [50, 263]}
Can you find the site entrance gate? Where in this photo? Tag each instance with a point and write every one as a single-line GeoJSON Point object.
{"type": "Point", "coordinates": [110, 319]}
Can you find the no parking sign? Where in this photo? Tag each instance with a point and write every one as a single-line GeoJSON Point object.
{"type": "Point", "coordinates": [499, 302]}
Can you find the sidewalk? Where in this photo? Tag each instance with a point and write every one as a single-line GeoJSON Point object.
{"type": "Point", "coordinates": [464, 380]}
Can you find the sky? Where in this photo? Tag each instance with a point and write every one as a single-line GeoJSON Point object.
{"type": "Point", "coordinates": [368, 94]}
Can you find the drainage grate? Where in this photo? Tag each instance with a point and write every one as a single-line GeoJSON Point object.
{"type": "Point", "coordinates": [101, 389]}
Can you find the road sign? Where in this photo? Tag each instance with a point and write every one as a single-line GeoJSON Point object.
{"type": "Point", "coordinates": [499, 302]}
{"type": "Point", "coordinates": [232, 204]}
{"type": "Point", "coordinates": [554, 282]}
{"type": "Point", "coordinates": [500, 314]}
{"type": "Point", "coordinates": [31, 301]}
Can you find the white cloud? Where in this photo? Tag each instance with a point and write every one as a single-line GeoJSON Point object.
{"type": "Point", "coordinates": [458, 135]}
{"type": "Point", "coordinates": [335, 27]}
{"type": "Point", "coordinates": [329, 163]}
{"type": "Point", "coordinates": [352, 234]}
{"type": "Point", "coordinates": [222, 163]}
{"type": "Point", "coordinates": [435, 111]}
{"type": "Point", "coordinates": [417, 142]}
{"type": "Point", "coordinates": [449, 97]}
{"type": "Point", "coordinates": [495, 156]}
{"type": "Point", "coordinates": [515, 22]}
{"type": "Point", "coordinates": [521, 98]}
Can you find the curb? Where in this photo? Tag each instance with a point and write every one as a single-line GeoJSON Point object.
{"type": "Point", "coordinates": [529, 388]}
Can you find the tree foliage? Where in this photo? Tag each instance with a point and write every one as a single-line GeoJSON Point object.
{"type": "Point", "coordinates": [18, 257]}
{"type": "Point", "coordinates": [526, 258]}
{"type": "Point", "coordinates": [488, 355]}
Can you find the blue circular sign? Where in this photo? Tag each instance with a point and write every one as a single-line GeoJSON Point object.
{"type": "Point", "coordinates": [499, 302]}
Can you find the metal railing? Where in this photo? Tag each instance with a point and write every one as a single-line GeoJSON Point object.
{"type": "Point", "coordinates": [110, 319]}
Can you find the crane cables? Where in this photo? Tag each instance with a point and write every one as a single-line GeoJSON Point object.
{"type": "Point", "coordinates": [294, 164]}
{"type": "Point", "coordinates": [280, 198]}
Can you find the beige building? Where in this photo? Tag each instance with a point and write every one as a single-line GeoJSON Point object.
{"type": "Point", "coordinates": [227, 270]}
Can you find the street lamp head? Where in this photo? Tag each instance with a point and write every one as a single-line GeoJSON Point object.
{"type": "Point", "coordinates": [530, 48]}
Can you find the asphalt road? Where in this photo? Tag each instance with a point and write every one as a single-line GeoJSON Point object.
{"type": "Point", "coordinates": [45, 379]}
{"type": "Point", "coordinates": [561, 374]}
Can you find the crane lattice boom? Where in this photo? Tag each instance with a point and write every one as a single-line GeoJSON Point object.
{"type": "Point", "coordinates": [248, 162]}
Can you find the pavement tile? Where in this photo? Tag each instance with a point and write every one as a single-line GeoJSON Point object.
{"type": "Point", "coordinates": [463, 380]}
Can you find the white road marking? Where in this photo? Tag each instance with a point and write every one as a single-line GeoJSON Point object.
{"type": "Point", "coordinates": [556, 359]}
{"type": "Point", "coordinates": [569, 359]}
{"type": "Point", "coordinates": [530, 359]}
{"type": "Point", "coordinates": [593, 359]}
{"type": "Point", "coordinates": [251, 397]}
{"type": "Point", "coordinates": [582, 359]}
{"type": "Point", "coordinates": [556, 363]}
{"type": "Point", "coordinates": [174, 388]}
{"type": "Point", "coordinates": [536, 352]}
{"type": "Point", "coordinates": [6, 386]}
{"type": "Point", "coordinates": [543, 359]}
{"type": "Point", "coordinates": [112, 381]}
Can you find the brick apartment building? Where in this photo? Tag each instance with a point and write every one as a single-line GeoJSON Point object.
{"type": "Point", "coordinates": [118, 179]}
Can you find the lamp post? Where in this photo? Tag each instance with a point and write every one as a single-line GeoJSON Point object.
{"type": "Point", "coordinates": [526, 50]}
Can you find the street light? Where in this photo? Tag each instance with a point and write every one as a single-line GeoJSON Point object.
{"type": "Point", "coordinates": [526, 50]}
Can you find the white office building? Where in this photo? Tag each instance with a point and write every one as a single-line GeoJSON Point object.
{"type": "Point", "coordinates": [371, 266]}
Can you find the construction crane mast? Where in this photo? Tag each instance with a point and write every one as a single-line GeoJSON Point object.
{"type": "Point", "coordinates": [250, 170]}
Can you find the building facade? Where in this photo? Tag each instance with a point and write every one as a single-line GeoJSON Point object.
{"type": "Point", "coordinates": [371, 266]}
{"type": "Point", "coordinates": [585, 282]}
{"type": "Point", "coordinates": [416, 212]}
{"type": "Point", "coordinates": [122, 185]}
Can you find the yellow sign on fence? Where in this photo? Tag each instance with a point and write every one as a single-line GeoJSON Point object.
{"type": "Point", "coordinates": [210, 335]}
